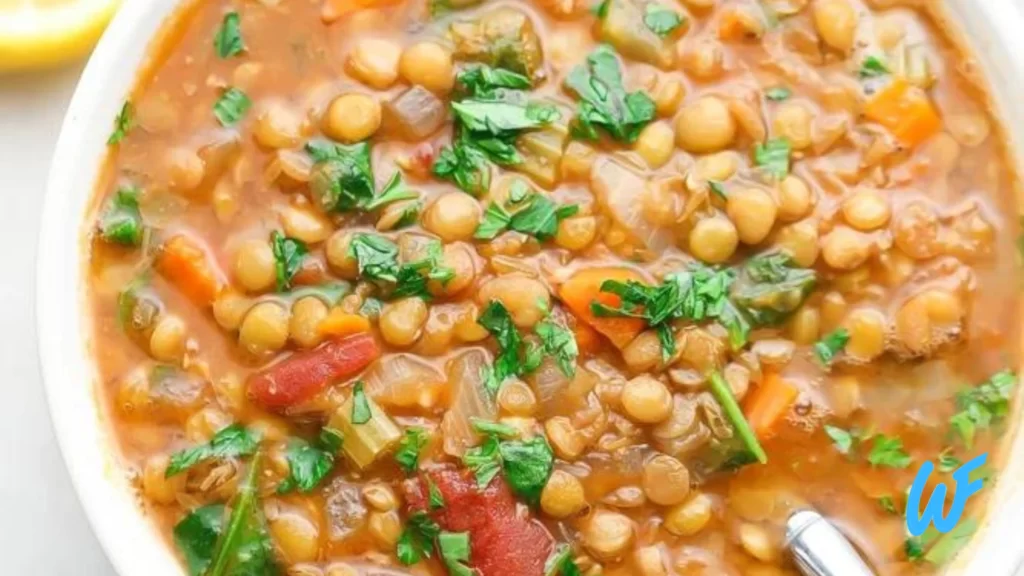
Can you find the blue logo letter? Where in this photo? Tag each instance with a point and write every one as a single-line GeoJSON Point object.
{"type": "Point", "coordinates": [917, 522]}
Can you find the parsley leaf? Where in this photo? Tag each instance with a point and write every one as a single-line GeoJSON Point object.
{"type": "Point", "coordinates": [484, 461]}
{"type": "Point", "coordinates": [196, 536]}
{"type": "Point", "coordinates": [718, 189]}
{"type": "Point", "coordinates": [394, 191]}
{"type": "Point", "coordinates": [773, 156]}
{"type": "Point", "coordinates": [527, 463]}
{"type": "Point", "coordinates": [361, 412]}
{"type": "Point", "coordinates": [843, 440]}
{"type": "Point", "coordinates": [417, 539]}
{"type": "Point", "coordinates": [233, 441]}
{"type": "Point", "coordinates": [778, 93]}
{"type": "Point", "coordinates": [228, 40]}
{"type": "Point", "coordinates": [454, 548]}
{"type": "Point", "coordinates": [828, 347]}
{"type": "Point", "coordinates": [498, 118]}
{"type": "Point", "coordinates": [560, 562]}
{"type": "Point", "coordinates": [376, 256]}
{"type": "Point", "coordinates": [913, 549]}
{"type": "Point", "coordinates": [604, 102]}
{"type": "Point", "coordinates": [288, 256]}
{"type": "Point", "coordinates": [948, 462]}
{"type": "Point", "coordinates": [514, 358]}
{"type": "Point", "coordinates": [434, 495]}
{"type": "Point", "coordinates": [873, 67]}
{"type": "Point", "coordinates": [888, 451]}
{"type": "Point", "coordinates": [887, 504]}
{"type": "Point", "coordinates": [485, 427]}
{"type": "Point", "coordinates": [232, 105]}
{"type": "Point", "coordinates": [983, 406]}
{"type": "Point", "coordinates": [464, 165]}
{"type": "Point", "coordinates": [538, 218]}
{"type": "Point", "coordinates": [308, 465]}
{"type": "Point", "coordinates": [342, 177]}
{"type": "Point", "coordinates": [121, 222]}
{"type": "Point", "coordinates": [661, 20]}
{"type": "Point", "coordinates": [408, 453]}
{"type": "Point", "coordinates": [496, 220]}
{"type": "Point", "coordinates": [482, 81]}
{"type": "Point", "coordinates": [559, 342]}
{"type": "Point", "coordinates": [123, 123]}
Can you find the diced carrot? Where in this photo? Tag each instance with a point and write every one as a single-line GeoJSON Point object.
{"type": "Point", "coordinates": [587, 339]}
{"type": "Point", "coordinates": [584, 288]}
{"type": "Point", "coordinates": [341, 323]}
{"type": "Point", "coordinates": [766, 406]}
{"type": "Point", "coordinates": [186, 264]}
{"type": "Point", "coordinates": [904, 109]}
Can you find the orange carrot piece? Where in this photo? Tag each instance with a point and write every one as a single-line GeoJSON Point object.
{"type": "Point", "coordinates": [904, 109]}
{"type": "Point", "coordinates": [186, 264]}
{"type": "Point", "coordinates": [587, 339]}
{"type": "Point", "coordinates": [585, 287]}
{"type": "Point", "coordinates": [340, 323]}
{"type": "Point", "coordinates": [766, 406]}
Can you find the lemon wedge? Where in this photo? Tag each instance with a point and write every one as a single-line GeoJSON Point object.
{"type": "Point", "coordinates": [41, 33]}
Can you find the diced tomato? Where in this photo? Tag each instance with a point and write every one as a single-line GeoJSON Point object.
{"type": "Point", "coordinates": [304, 374]}
{"type": "Point", "coordinates": [502, 541]}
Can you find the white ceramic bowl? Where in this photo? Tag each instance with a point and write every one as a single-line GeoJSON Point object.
{"type": "Point", "coordinates": [994, 29]}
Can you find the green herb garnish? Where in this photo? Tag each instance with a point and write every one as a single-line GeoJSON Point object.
{"type": "Point", "coordinates": [408, 453]}
{"type": "Point", "coordinates": [661, 20]}
{"type": "Point", "coordinates": [773, 156]}
{"type": "Point", "coordinates": [234, 441]}
{"type": "Point", "coordinates": [981, 407]}
{"type": "Point", "coordinates": [527, 464]}
{"type": "Point", "coordinates": [888, 451]}
{"type": "Point", "coordinates": [604, 102]}
{"type": "Point", "coordinates": [721, 391]}
{"type": "Point", "coordinates": [828, 347]}
{"type": "Point", "coordinates": [121, 222]}
{"type": "Point", "coordinates": [778, 93]}
{"type": "Point", "coordinates": [361, 412]}
{"type": "Point", "coordinates": [482, 81]}
{"type": "Point", "coordinates": [309, 464]}
{"type": "Point", "coordinates": [228, 40]}
{"type": "Point", "coordinates": [123, 123]}
{"type": "Point", "coordinates": [560, 343]}
{"type": "Point", "coordinates": [231, 106]}
{"type": "Point", "coordinates": [289, 254]}
{"type": "Point", "coordinates": [417, 539]}
{"type": "Point", "coordinates": [454, 547]}
{"type": "Point", "coordinates": [873, 67]}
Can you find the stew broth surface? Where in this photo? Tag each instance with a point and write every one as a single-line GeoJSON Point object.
{"type": "Point", "coordinates": [812, 200]}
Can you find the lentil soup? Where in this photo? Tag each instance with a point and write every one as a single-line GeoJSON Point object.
{"type": "Point", "coordinates": [385, 287]}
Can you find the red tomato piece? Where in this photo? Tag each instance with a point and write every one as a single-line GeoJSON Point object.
{"type": "Point", "coordinates": [302, 375]}
{"type": "Point", "coordinates": [502, 541]}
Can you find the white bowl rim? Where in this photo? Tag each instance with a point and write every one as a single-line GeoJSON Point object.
{"type": "Point", "coordinates": [129, 538]}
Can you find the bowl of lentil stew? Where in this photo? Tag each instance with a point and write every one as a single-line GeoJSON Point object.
{"type": "Point", "coordinates": [638, 281]}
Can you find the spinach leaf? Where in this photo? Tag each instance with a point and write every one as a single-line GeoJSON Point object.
{"type": "Point", "coordinates": [498, 118]}
{"type": "Point", "coordinates": [361, 412]}
{"type": "Point", "coordinates": [288, 256]}
{"type": "Point", "coordinates": [196, 536]}
{"type": "Point", "coordinates": [245, 546]}
{"type": "Point", "coordinates": [408, 453]}
{"type": "Point", "coordinates": [121, 222]}
{"type": "Point", "coordinates": [604, 102]}
{"type": "Point", "coordinates": [831, 345]}
{"type": "Point", "coordinates": [233, 441]}
{"type": "Point", "coordinates": [773, 156]}
{"type": "Point", "coordinates": [232, 105]}
{"type": "Point", "coordinates": [342, 178]}
{"type": "Point", "coordinates": [417, 539]}
{"type": "Point", "coordinates": [770, 287]}
{"type": "Point", "coordinates": [661, 20]}
{"type": "Point", "coordinates": [123, 123]}
{"type": "Point", "coordinates": [454, 548]}
{"type": "Point", "coordinates": [228, 40]}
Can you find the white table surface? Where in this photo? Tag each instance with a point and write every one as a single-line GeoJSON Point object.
{"type": "Point", "coordinates": [44, 531]}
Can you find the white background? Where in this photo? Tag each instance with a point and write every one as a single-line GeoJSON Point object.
{"type": "Point", "coordinates": [43, 531]}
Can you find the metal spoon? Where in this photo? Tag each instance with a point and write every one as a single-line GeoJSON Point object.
{"type": "Point", "coordinates": [819, 549]}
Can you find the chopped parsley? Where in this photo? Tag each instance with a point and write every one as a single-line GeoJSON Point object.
{"type": "Point", "coordinates": [454, 547]}
{"type": "Point", "coordinates": [228, 40]}
{"type": "Point", "coordinates": [604, 102]}
{"type": "Point", "coordinates": [718, 189]}
{"type": "Point", "coordinates": [361, 413]}
{"type": "Point", "coordinates": [309, 464]}
{"type": "Point", "coordinates": [560, 562]}
{"type": "Point", "coordinates": [121, 222]}
{"type": "Point", "coordinates": [773, 156]}
{"type": "Point", "coordinates": [514, 357]}
{"type": "Point", "coordinates": [538, 217]}
{"type": "Point", "coordinates": [234, 441]}
{"type": "Point", "coordinates": [231, 106]}
{"type": "Point", "coordinates": [408, 453]}
{"type": "Point", "coordinates": [527, 464]}
{"type": "Point", "coordinates": [123, 123]}
{"type": "Point", "coordinates": [981, 407]}
{"type": "Point", "coordinates": [417, 539]}
{"type": "Point", "coordinates": [434, 495]}
{"type": "Point", "coordinates": [289, 254]}
{"type": "Point", "coordinates": [778, 93]}
{"type": "Point", "coordinates": [887, 504]}
{"type": "Point", "coordinates": [948, 462]}
{"type": "Point", "coordinates": [873, 67]}
{"type": "Point", "coordinates": [559, 342]}
{"type": "Point", "coordinates": [831, 345]}
{"type": "Point", "coordinates": [342, 178]}
{"type": "Point", "coordinates": [482, 81]}
{"type": "Point", "coordinates": [661, 20]}
{"type": "Point", "coordinates": [844, 440]}
{"type": "Point", "coordinates": [887, 451]}
{"type": "Point", "coordinates": [377, 259]}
